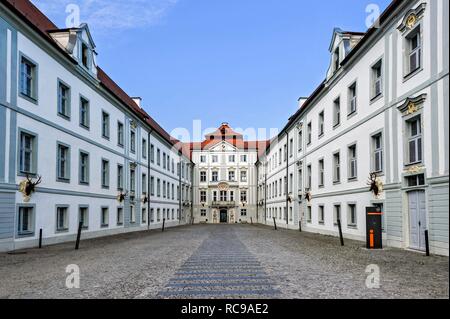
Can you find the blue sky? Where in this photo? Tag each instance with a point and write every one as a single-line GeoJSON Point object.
{"type": "Point", "coordinates": [245, 62]}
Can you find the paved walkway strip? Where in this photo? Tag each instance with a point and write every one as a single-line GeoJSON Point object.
{"type": "Point", "coordinates": [222, 267]}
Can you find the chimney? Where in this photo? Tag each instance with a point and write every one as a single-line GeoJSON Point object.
{"type": "Point", "coordinates": [302, 101]}
{"type": "Point", "coordinates": [137, 100]}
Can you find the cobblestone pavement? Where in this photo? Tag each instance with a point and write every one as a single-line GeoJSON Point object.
{"type": "Point", "coordinates": [238, 261]}
{"type": "Point", "coordinates": [222, 267]}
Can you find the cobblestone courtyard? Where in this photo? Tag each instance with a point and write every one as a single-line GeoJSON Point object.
{"type": "Point", "coordinates": [239, 261]}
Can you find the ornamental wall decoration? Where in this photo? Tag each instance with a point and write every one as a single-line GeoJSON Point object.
{"type": "Point", "coordinates": [308, 196]}
{"type": "Point", "coordinates": [144, 199]}
{"type": "Point", "coordinates": [27, 187]}
{"type": "Point", "coordinates": [376, 185]}
{"type": "Point", "coordinates": [121, 196]}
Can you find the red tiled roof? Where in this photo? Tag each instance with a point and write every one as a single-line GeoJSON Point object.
{"type": "Point", "coordinates": [43, 25]}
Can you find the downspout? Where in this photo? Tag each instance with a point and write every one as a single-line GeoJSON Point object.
{"type": "Point", "coordinates": [192, 190]}
{"type": "Point", "coordinates": [149, 177]}
{"type": "Point", "coordinates": [180, 193]}
{"type": "Point", "coordinates": [265, 191]}
{"type": "Point", "coordinates": [257, 193]}
{"type": "Point", "coordinates": [287, 179]}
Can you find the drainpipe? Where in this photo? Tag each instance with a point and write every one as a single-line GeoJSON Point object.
{"type": "Point", "coordinates": [149, 177]}
{"type": "Point", "coordinates": [265, 192]}
{"type": "Point", "coordinates": [180, 196]}
{"type": "Point", "coordinates": [257, 192]}
{"type": "Point", "coordinates": [287, 179]}
{"type": "Point", "coordinates": [192, 190]}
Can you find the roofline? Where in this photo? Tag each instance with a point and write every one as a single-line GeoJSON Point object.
{"type": "Point", "coordinates": [394, 5]}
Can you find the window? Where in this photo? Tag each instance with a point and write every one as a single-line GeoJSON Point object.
{"type": "Point", "coordinates": [203, 196]}
{"type": "Point", "coordinates": [164, 189]}
{"type": "Point", "coordinates": [214, 196]}
{"type": "Point", "coordinates": [84, 112]}
{"type": "Point", "coordinates": [223, 196]}
{"type": "Point", "coordinates": [28, 78]}
{"type": "Point", "coordinates": [413, 51]}
{"type": "Point", "coordinates": [416, 180]}
{"type": "Point", "coordinates": [243, 176]}
{"type": "Point", "coordinates": [119, 177]}
{"type": "Point", "coordinates": [336, 58]}
{"type": "Point", "coordinates": [321, 123]}
{"type": "Point", "coordinates": [243, 196]}
{"type": "Point", "coordinates": [63, 160]}
{"type": "Point", "coordinates": [152, 153]}
{"type": "Point", "coordinates": [300, 180]}
{"type": "Point", "coordinates": [203, 212]}
{"type": "Point", "coordinates": [231, 196]}
{"type": "Point", "coordinates": [119, 216]}
{"type": "Point", "coordinates": [132, 141]}
{"type": "Point", "coordinates": [291, 147]}
{"type": "Point", "coordinates": [309, 177]}
{"type": "Point", "coordinates": [27, 153]}
{"type": "Point", "coordinates": [203, 177]}
{"type": "Point", "coordinates": [215, 176]}
{"type": "Point", "coordinates": [243, 212]}
{"type": "Point", "coordinates": [377, 153]}
{"type": "Point", "coordinates": [132, 214]}
{"type": "Point", "coordinates": [336, 213]}
{"type": "Point", "coordinates": [84, 168]}
{"type": "Point", "coordinates": [132, 180]}
{"type": "Point", "coordinates": [152, 215]}
{"type": "Point", "coordinates": [337, 168]}
{"type": "Point", "coordinates": [105, 173]}
{"type": "Point", "coordinates": [215, 159]}
{"type": "Point", "coordinates": [173, 166]}
{"type": "Point", "coordinates": [377, 79]}
{"type": "Point", "coordinates": [83, 217]}
{"type": "Point", "coordinates": [25, 222]}
{"type": "Point", "coordinates": [62, 220]}
{"type": "Point", "coordinates": [309, 133]}
{"type": "Point", "coordinates": [231, 159]}
{"type": "Point", "coordinates": [158, 157]}
{"type": "Point", "coordinates": [63, 100]}
{"type": "Point", "coordinates": [85, 55]}
{"type": "Point", "coordinates": [203, 159]}
{"type": "Point", "coordinates": [321, 173]}
{"type": "Point", "coordinates": [337, 112]}
{"type": "Point", "coordinates": [352, 99]}
{"type": "Point", "coordinates": [352, 215]}
{"type": "Point", "coordinates": [352, 162]}
{"type": "Point", "coordinates": [231, 176]}
{"type": "Point", "coordinates": [144, 183]}
{"type": "Point", "coordinates": [321, 214]}
{"type": "Point", "coordinates": [173, 191]}
{"type": "Point", "coordinates": [308, 214]}
{"type": "Point", "coordinates": [414, 131]}
{"type": "Point", "coordinates": [158, 187]}
{"type": "Point", "coordinates": [104, 222]}
{"type": "Point", "coordinates": [244, 158]}
{"type": "Point", "coordinates": [300, 140]}
{"type": "Point", "coordinates": [105, 125]}
{"type": "Point", "coordinates": [144, 215]}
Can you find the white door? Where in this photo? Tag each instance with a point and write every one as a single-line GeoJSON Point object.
{"type": "Point", "coordinates": [417, 219]}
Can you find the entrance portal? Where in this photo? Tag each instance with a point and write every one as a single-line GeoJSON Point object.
{"type": "Point", "coordinates": [224, 216]}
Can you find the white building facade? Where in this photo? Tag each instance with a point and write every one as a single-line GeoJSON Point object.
{"type": "Point", "coordinates": [383, 108]}
{"type": "Point", "coordinates": [225, 178]}
{"type": "Point", "coordinates": [98, 159]}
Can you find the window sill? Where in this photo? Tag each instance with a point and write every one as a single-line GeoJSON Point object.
{"type": "Point", "coordinates": [29, 98]}
{"type": "Point", "coordinates": [321, 136]}
{"type": "Point", "coordinates": [120, 145]}
{"type": "Point", "coordinates": [25, 234]}
{"type": "Point", "coordinates": [105, 137]}
{"type": "Point", "coordinates": [104, 226]}
{"type": "Point", "coordinates": [337, 183]}
{"type": "Point", "coordinates": [376, 98]}
{"type": "Point", "coordinates": [352, 179]}
{"type": "Point", "coordinates": [412, 74]}
{"type": "Point", "coordinates": [24, 174]}
{"type": "Point", "coordinates": [322, 223]}
{"type": "Point", "coordinates": [352, 226]}
{"type": "Point", "coordinates": [84, 183]}
{"type": "Point", "coordinates": [350, 115]}
{"type": "Point", "coordinates": [85, 228]}
{"type": "Point", "coordinates": [65, 230]}
{"type": "Point", "coordinates": [119, 224]}
{"type": "Point", "coordinates": [64, 117]}
{"type": "Point", "coordinates": [105, 187]}
{"type": "Point", "coordinates": [63, 180]}
{"type": "Point", "coordinates": [87, 128]}
{"type": "Point", "coordinates": [336, 126]}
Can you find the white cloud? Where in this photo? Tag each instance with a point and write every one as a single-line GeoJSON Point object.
{"type": "Point", "coordinates": [108, 15]}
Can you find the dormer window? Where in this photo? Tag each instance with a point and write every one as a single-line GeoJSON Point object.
{"type": "Point", "coordinates": [337, 61]}
{"type": "Point", "coordinates": [85, 55]}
